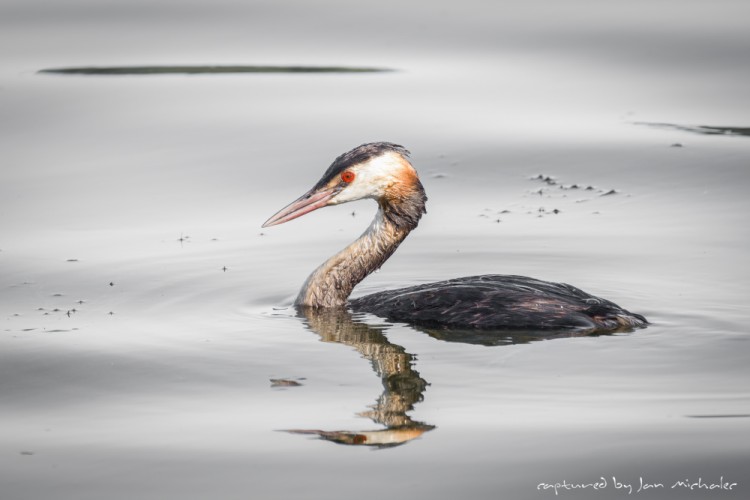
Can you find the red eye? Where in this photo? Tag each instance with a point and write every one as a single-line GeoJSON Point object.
{"type": "Point", "coordinates": [347, 176]}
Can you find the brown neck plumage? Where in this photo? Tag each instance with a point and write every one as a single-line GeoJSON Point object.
{"type": "Point", "coordinates": [331, 283]}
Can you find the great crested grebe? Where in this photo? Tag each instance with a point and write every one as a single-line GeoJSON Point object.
{"type": "Point", "coordinates": [382, 171]}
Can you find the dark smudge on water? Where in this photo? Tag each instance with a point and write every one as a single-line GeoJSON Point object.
{"type": "Point", "coordinates": [202, 70]}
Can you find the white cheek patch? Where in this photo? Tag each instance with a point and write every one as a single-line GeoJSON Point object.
{"type": "Point", "coordinates": [372, 179]}
{"type": "Point", "coordinates": [355, 191]}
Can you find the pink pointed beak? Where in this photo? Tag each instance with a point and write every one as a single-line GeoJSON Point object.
{"type": "Point", "coordinates": [312, 200]}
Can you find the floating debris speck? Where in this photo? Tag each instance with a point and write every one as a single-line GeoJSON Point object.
{"type": "Point", "coordinates": [285, 382]}
{"type": "Point", "coordinates": [547, 179]}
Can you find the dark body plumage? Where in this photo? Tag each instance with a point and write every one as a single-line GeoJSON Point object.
{"type": "Point", "coordinates": [498, 302]}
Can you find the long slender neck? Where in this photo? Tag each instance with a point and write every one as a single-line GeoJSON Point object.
{"type": "Point", "coordinates": [331, 283]}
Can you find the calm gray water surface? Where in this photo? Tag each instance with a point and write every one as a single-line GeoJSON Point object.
{"type": "Point", "coordinates": [146, 315]}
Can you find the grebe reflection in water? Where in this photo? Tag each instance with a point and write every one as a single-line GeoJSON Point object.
{"type": "Point", "coordinates": [403, 387]}
{"type": "Point", "coordinates": [382, 171]}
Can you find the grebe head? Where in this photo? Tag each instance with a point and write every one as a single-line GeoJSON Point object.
{"type": "Point", "coordinates": [378, 170]}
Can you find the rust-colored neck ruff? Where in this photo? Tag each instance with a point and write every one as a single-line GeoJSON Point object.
{"type": "Point", "coordinates": [331, 283]}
